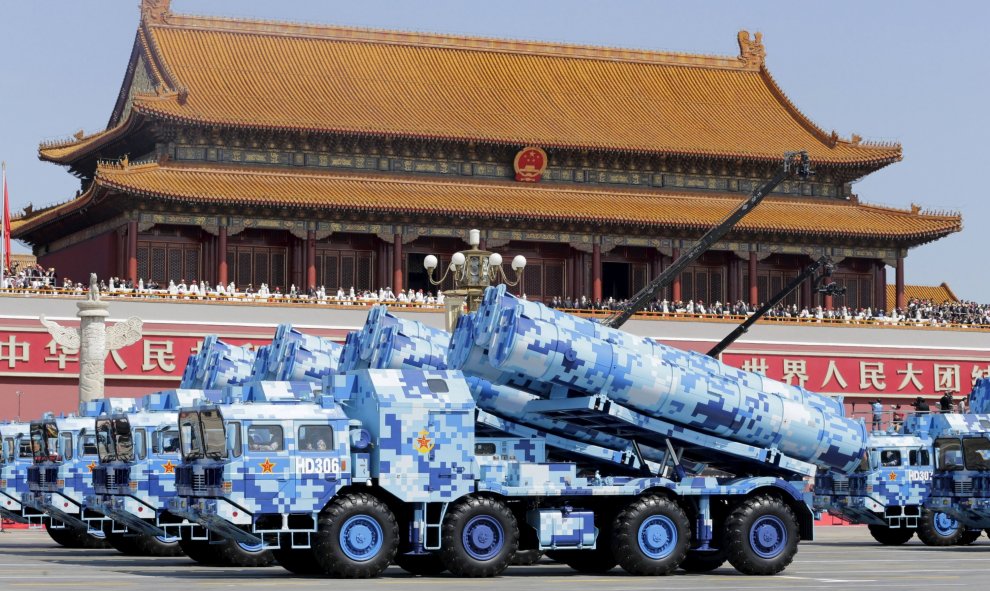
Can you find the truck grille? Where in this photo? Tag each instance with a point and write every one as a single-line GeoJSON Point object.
{"type": "Point", "coordinates": [963, 488]}
{"type": "Point", "coordinates": [42, 477]}
{"type": "Point", "coordinates": [840, 486]}
{"type": "Point", "coordinates": [206, 480]}
{"type": "Point", "coordinates": [111, 479]}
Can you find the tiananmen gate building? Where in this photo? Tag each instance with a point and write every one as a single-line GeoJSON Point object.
{"type": "Point", "coordinates": [265, 152]}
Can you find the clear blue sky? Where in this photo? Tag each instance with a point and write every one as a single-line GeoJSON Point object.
{"type": "Point", "coordinates": [911, 71]}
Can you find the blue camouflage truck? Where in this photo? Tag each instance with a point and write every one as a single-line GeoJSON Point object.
{"type": "Point", "coordinates": [888, 490]}
{"type": "Point", "coordinates": [59, 479]}
{"type": "Point", "coordinates": [961, 482]}
{"type": "Point", "coordinates": [534, 430]}
{"type": "Point", "coordinates": [13, 469]}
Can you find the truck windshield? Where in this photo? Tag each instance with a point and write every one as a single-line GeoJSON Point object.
{"type": "Point", "coordinates": [949, 454]}
{"type": "Point", "coordinates": [201, 435]}
{"type": "Point", "coordinates": [114, 441]}
{"type": "Point", "coordinates": [976, 451]}
{"type": "Point", "coordinates": [44, 442]}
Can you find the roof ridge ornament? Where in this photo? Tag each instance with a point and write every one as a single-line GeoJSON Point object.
{"type": "Point", "coordinates": [751, 51]}
{"type": "Point", "coordinates": [154, 11]}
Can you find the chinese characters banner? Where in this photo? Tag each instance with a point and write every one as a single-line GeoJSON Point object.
{"type": "Point", "coordinates": [162, 357]}
{"type": "Point", "coordinates": [867, 374]}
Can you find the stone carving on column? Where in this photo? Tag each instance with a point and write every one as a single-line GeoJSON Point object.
{"type": "Point", "coordinates": [93, 340]}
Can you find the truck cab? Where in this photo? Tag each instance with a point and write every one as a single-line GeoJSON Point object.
{"type": "Point", "coordinates": [138, 455]}
{"type": "Point", "coordinates": [961, 484]}
{"type": "Point", "coordinates": [14, 461]}
{"type": "Point", "coordinates": [888, 491]}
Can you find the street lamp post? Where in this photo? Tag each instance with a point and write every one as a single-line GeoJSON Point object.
{"type": "Point", "coordinates": [472, 271]}
{"type": "Point", "coordinates": [18, 394]}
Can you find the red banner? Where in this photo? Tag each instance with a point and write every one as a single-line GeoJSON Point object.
{"type": "Point", "coordinates": [837, 373]}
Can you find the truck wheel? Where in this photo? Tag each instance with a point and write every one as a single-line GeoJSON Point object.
{"type": "Point", "coordinates": [969, 536]}
{"type": "Point", "coordinates": [357, 537]}
{"type": "Point", "coordinates": [589, 562]}
{"type": "Point", "coordinates": [93, 541]}
{"type": "Point", "coordinates": [162, 546]}
{"type": "Point", "coordinates": [201, 551]}
{"type": "Point", "coordinates": [651, 536]}
{"type": "Point", "coordinates": [427, 565]}
{"type": "Point", "coordinates": [126, 545]}
{"type": "Point", "coordinates": [64, 536]}
{"type": "Point", "coordinates": [299, 561]}
{"type": "Point", "coordinates": [891, 536]}
{"type": "Point", "coordinates": [703, 561]}
{"type": "Point", "coordinates": [938, 529]}
{"type": "Point", "coordinates": [761, 536]}
{"type": "Point", "coordinates": [480, 535]}
{"type": "Point", "coordinates": [233, 553]}
{"type": "Point", "coordinates": [526, 557]}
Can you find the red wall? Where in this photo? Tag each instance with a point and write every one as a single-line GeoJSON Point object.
{"type": "Point", "coordinates": [96, 255]}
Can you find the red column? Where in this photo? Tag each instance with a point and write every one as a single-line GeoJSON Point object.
{"type": "Point", "coordinates": [675, 287]}
{"type": "Point", "coordinates": [397, 265]}
{"type": "Point", "coordinates": [828, 299]}
{"type": "Point", "coordinates": [754, 291]}
{"type": "Point", "coordinates": [880, 290]}
{"type": "Point", "coordinates": [596, 272]}
{"type": "Point", "coordinates": [222, 256]}
{"type": "Point", "coordinates": [310, 259]}
{"type": "Point", "coordinates": [132, 231]}
{"type": "Point", "coordinates": [899, 284]}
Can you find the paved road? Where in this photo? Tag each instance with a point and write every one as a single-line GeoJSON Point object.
{"type": "Point", "coordinates": [842, 558]}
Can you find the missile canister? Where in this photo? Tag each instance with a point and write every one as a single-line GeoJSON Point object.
{"type": "Point", "coordinates": [558, 353]}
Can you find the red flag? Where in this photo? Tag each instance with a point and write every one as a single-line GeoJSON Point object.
{"type": "Point", "coordinates": [6, 221]}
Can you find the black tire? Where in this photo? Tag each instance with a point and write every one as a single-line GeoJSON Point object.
{"type": "Point", "coordinates": [163, 548]}
{"type": "Point", "coordinates": [526, 557]}
{"type": "Point", "coordinates": [938, 529]}
{"type": "Point", "coordinates": [761, 536]}
{"type": "Point", "coordinates": [201, 551]}
{"type": "Point", "coordinates": [126, 545]}
{"type": "Point", "coordinates": [372, 527]}
{"type": "Point", "coordinates": [651, 536]}
{"type": "Point", "coordinates": [64, 536]}
{"type": "Point", "coordinates": [479, 537]}
{"type": "Point", "coordinates": [427, 565]}
{"type": "Point", "coordinates": [72, 537]}
{"type": "Point", "coordinates": [698, 561]}
{"type": "Point", "coordinates": [891, 536]}
{"type": "Point", "coordinates": [299, 561]}
{"type": "Point", "coordinates": [969, 536]}
{"type": "Point", "coordinates": [232, 553]}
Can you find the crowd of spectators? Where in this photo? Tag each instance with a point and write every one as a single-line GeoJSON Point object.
{"type": "Point", "coordinates": [28, 277]}
{"type": "Point", "coordinates": [917, 312]}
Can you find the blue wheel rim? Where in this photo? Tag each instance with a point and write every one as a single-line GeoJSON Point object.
{"type": "Point", "coordinates": [944, 525]}
{"type": "Point", "coordinates": [167, 539]}
{"type": "Point", "coordinates": [361, 538]}
{"type": "Point", "coordinates": [483, 537]}
{"type": "Point", "coordinates": [252, 548]}
{"type": "Point", "coordinates": [657, 536]}
{"type": "Point", "coordinates": [768, 536]}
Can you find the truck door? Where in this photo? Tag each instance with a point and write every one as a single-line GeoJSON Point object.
{"type": "Point", "coordinates": [265, 465]}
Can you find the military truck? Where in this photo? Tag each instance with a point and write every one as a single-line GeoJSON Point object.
{"type": "Point", "coordinates": [887, 492]}
{"type": "Point", "coordinates": [961, 482]}
{"type": "Point", "coordinates": [16, 457]}
{"type": "Point", "coordinates": [574, 438]}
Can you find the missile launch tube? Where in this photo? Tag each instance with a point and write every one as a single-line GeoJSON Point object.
{"type": "Point", "coordinates": [558, 354]}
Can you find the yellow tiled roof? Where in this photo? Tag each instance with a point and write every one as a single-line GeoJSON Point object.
{"type": "Point", "coordinates": [337, 79]}
{"type": "Point", "coordinates": [507, 200]}
{"type": "Point", "coordinates": [934, 293]}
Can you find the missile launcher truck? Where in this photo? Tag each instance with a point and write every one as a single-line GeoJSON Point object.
{"type": "Point", "coordinates": [13, 469]}
{"type": "Point", "coordinates": [59, 479]}
{"type": "Point", "coordinates": [535, 430]}
{"type": "Point", "coordinates": [888, 490]}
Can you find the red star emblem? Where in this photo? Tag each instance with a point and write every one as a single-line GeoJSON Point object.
{"type": "Point", "coordinates": [424, 444]}
{"type": "Point", "coordinates": [91, 466]}
{"type": "Point", "coordinates": [169, 467]}
{"type": "Point", "coordinates": [266, 466]}
{"type": "Point", "coordinates": [893, 476]}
